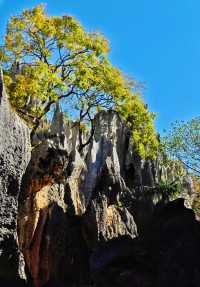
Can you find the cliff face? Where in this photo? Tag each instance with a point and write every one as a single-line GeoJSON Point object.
{"type": "Point", "coordinates": [14, 157]}
{"type": "Point", "coordinates": [70, 202]}
{"type": "Point", "coordinates": [82, 216]}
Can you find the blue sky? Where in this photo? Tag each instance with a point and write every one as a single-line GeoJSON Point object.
{"type": "Point", "coordinates": [156, 42]}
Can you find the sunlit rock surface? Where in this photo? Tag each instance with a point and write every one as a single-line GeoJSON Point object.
{"type": "Point", "coordinates": [95, 217]}
{"type": "Point", "coordinates": [65, 192]}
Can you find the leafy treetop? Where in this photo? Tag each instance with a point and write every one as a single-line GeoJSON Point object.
{"type": "Point", "coordinates": [141, 123]}
{"type": "Point", "coordinates": [183, 143]}
{"type": "Point", "coordinates": [47, 59]}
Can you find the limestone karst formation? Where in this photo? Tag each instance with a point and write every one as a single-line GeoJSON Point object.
{"type": "Point", "coordinates": [90, 218]}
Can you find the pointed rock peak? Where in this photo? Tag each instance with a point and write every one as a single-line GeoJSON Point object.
{"type": "Point", "coordinates": [57, 113]}
{"type": "Point", "coordinates": [57, 125]}
{"type": "Point", "coordinates": [1, 83]}
{"type": "Point", "coordinates": [57, 109]}
{"type": "Point", "coordinates": [107, 123]}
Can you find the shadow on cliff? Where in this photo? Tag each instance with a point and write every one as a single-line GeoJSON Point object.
{"type": "Point", "coordinates": [142, 201]}
{"type": "Point", "coordinates": [166, 255]}
{"type": "Point", "coordinates": [14, 283]}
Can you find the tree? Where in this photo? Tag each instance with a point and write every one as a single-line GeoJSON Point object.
{"type": "Point", "coordinates": [141, 123]}
{"type": "Point", "coordinates": [183, 143]}
{"type": "Point", "coordinates": [47, 59]}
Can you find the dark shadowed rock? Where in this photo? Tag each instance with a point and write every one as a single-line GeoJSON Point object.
{"type": "Point", "coordinates": [92, 218]}
{"type": "Point", "coordinates": [14, 157]}
{"type": "Point", "coordinates": [166, 255]}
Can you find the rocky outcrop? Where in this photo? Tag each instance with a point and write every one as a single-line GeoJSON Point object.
{"type": "Point", "coordinates": [73, 203]}
{"type": "Point", "coordinates": [166, 255]}
{"type": "Point", "coordinates": [70, 202]}
{"type": "Point", "coordinates": [14, 157]}
{"type": "Point", "coordinates": [95, 217]}
{"type": "Point", "coordinates": [41, 217]}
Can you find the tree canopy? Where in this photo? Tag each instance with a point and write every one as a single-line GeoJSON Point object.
{"type": "Point", "coordinates": [141, 123]}
{"type": "Point", "coordinates": [47, 59]}
{"type": "Point", "coordinates": [183, 143]}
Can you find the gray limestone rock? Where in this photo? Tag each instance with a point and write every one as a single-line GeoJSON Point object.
{"type": "Point", "coordinates": [14, 157]}
{"type": "Point", "coordinates": [70, 202]}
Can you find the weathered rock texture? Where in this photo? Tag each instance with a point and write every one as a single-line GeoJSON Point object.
{"type": "Point", "coordinates": [14, 157]}
{"type": "Point", "coordinates": [72, 202]}
{"type": "Point", "coordinates": [166, 255]}
{"type": "Point", "coordinates": [80, 212]}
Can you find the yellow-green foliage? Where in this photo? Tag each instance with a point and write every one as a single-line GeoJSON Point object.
{"type": "Point", "coordinates": [141, 124]}
{"type": "Point", "coordinates": [47, 59]}
{"type": "Point", "coordinates": [83, 127]}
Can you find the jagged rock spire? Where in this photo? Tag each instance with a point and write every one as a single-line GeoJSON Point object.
{"type": "Point", "coordinates": [1, 83]}
{"type": "Point", "coordinates": [57, 125]}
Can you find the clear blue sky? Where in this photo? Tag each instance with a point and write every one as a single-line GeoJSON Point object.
{"type": "Point", "coordinates": [156, 42]}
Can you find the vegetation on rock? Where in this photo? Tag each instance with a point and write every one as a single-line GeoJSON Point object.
{"type": "Point", "coordinates": [141, 123]}
{"type": "Point", "coordinates": [47, 59]}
